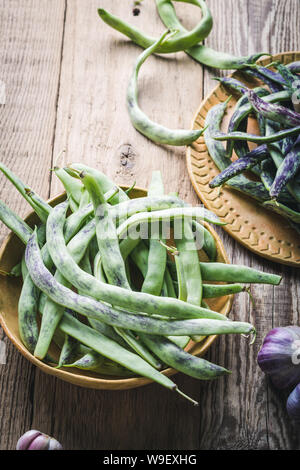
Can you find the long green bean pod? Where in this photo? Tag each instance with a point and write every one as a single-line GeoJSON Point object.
{"type": "Point", "coordinates": [178, 43]}
{"type": "Point", "coordinates": [202, 54]}
{"type": "Point", "coordinates": [142, 123]}
{"type": "Point", "coordinates": [43, 209]}
{"type": "Point", "coordinates": [221, 272]}
{"type": "Point", "coordinates": [157, 257]}
{"type": "Point", "coordinates": [181, 360]}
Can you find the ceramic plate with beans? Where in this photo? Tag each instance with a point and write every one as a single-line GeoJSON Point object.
{"type": "Point", "coordinates": [257, 195]}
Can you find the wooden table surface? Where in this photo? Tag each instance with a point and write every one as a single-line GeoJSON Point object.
{"type": "Point", "coordinates": [66, 75]}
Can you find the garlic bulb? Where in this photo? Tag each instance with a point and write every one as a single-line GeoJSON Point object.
{"type": "Point", "coordinates": [279, 356]}
{"type": "Point", "coordinates": [36, 440]}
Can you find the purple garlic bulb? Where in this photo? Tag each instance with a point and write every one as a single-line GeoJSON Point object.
{"type": "Point", "coordinates": [279, 356]}
{"type": "Point", "coordinates": [293, 404]}
{"type": "Point", "coordinates": [36, 440]}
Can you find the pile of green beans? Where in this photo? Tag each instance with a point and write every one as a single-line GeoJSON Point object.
{"type": "Point", "coordinates": [175, 39]}
{"type": "Point", "coordinates": [114, 301]}
{"type": "Point", "coordinates": [275, 162]}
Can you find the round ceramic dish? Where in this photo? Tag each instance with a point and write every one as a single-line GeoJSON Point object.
{"type": "Point", "coordinates": [11, 252]}
{"type": "Point", "coordinates": [258, 229]}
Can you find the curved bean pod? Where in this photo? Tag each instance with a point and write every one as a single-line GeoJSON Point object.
{"type": "Point", "coordinates": [275, 112]}
{"type": "Point", "coordinates": [141, 122]}
{"type": "Point", "coordinates": [179, 43]}
{"type": "Point", "coordinates": [241, 165]}
{"type": "Point", "coordinates": [202, 54]}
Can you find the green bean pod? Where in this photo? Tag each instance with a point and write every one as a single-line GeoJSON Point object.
{"type": "Point", "coordinates": [203, 54]}
{"type": "Point", "coordinates": [157, 257]}
{"type": "Point", "coordinates": [181, 360]}
{"type": "Point", "coordinates": [178, 43]}
{"type": "Point", "coordinates": [42, 212]}
{"type": "Point", "coordinates": [221, 272]}
{"type": "Point", "coordinates": [155, 132]}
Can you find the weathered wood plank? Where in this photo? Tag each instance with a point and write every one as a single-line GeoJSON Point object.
{"type": "Point", "coordinates": [30, 56]}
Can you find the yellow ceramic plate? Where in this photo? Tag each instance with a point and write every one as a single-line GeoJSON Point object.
{"type": "Point", "coordinates": [11, 252]}
{"type": "Point", "coordinates": [258, 229]}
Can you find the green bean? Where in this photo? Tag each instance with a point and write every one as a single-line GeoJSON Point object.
{"type": "Point", "coordinates": [208, 241]}
{"type": "Point", "coordinates": [107, 240]}
{"type": "Point", "coordinates": [126, 335]}
{"type": "Point", "coordinates": [258, 139]}
{"type": "Point", "coordinates": [179, 43]}
{"type": "Point", "coordinates": [16, 270]}
{"type": "Point", "coordinates": [111, 258]}
{"type": "Point", "coordinates": [108, 348]}
{"type": "Point", "coordinates": [190, 263]}
{"type": "Point", "coordinates": [221, 272]}
{"type": "Point", "coordinates": [182, 287]}
{"type": "Point", "coordinates": [180, 341]}
{"type": "Point", "coordinates": [283, 210]}
{"type": "Point", "coordinates": [14, 223]}
{"type": "Point", "coordinates": [72, 186]}
{"type": "Point", "coordinates": [219, 290]}
{"type": "Point", "coordinates": [87, 306]}
{"type": "Point", "coordinates": [69, 351]}
{"type": "Point", "coordinates": [211, 291]}
{"type": "Point", "coordinates": [23, 190]}
{"type": "Point", "coordinates": [141, 122]}
{"type": "Point", "coordinates": [114, 295]}
{"type": "Point", "coordinates": [278, 158]}
{"type": "Point", "coordinates": [157, 256]}
{"type": "Point", "coordinates": [181, 360]}
{"type": "Point", "coordinates": [52, 313]}
{"type": "Point", "coordinates": [27, 311]}
{"type": "Point", "coordinates": [90, 361]}
{"type": "Point", "coordinates": [107, 185]}
{"type": "Point", "coordinates": [218, 154]}
{"type": "Point", "coordinates": [104, 182]}
{"type": "Point", "coordinates": [243, 111]}
{"type": "Point", "coordinates": [203, 54]}
{"type": "Point", "coordinates": [166, 215]}
{"type": "Point", "coordinates": [169, 283]}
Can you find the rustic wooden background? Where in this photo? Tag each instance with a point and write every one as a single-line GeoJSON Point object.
{"type": "Point", "coordinates": [66, 75]}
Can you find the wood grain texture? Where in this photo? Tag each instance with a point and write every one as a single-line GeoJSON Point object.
{"type": "Point", "coordinates": [69, 74]}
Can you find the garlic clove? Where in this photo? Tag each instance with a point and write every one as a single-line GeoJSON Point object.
{"type": "Point", "coordinates": [293, 404]}
{"type": "Point", "coordinates": [27, 438]}
{"type": "Point", "coordinates": [36, 440]}
{"type": "Point", "coordinates": [41, 442]}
